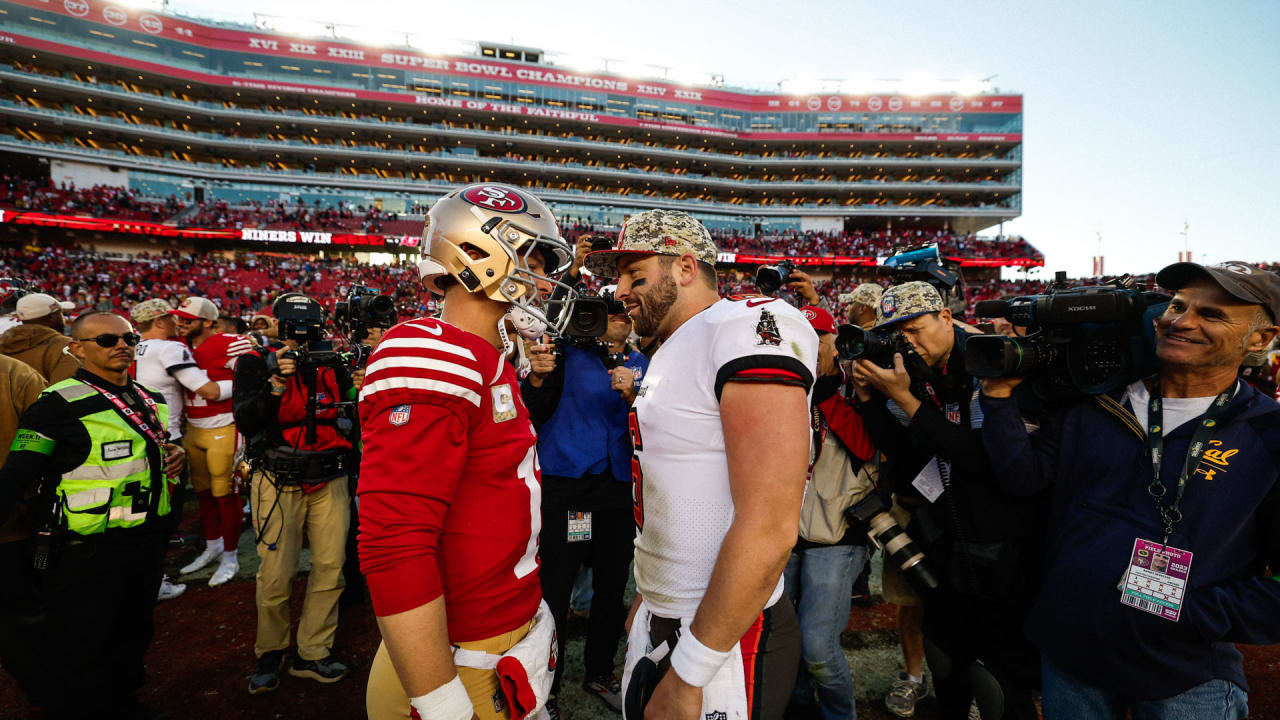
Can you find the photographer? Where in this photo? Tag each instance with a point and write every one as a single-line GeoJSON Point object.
{"type": "Point", "coordinates": [830, 552]}
{"type": "Point", "coordinates": [978, 537]}
{"type": "Point", "coordinates": [298, 444]}
{"type": "Point", "coordinates": [1182, 464]}
{"type": "Point", "coordinates": [579, 407]}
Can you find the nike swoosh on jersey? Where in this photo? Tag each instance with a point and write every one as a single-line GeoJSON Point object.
{"type": "Point", "coordinates": [437, 330]}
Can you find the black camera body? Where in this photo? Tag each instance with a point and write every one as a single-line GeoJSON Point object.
{"type": "Point", "coordinates": [878, 346]}
{"type": "Point", "coordinates": [1079, 341]}
{"type": "Point", "coordinates": [772, 278]}
{"type": "Point", "coordinates": [364, 308]}
{"type": "Point", "coordinates": [600, 242]}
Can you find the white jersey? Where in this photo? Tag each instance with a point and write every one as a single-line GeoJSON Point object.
{"type": "Point", "coordinates": [8, 321]}
{"type": "Point", "coordinates": [680, 482]}
{"type": "Point", "coordinates": [167, 367]}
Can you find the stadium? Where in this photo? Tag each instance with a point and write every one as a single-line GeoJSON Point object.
{"type": "Point", "coordinates": [148, 154]}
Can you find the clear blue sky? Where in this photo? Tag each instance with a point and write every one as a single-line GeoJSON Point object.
{"type": "Point", "coordinates": [1138, 115]}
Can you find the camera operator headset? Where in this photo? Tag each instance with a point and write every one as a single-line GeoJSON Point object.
{"type": "Point", "coordinates": [982, 541]}
{"type": "Point", "coordinates": [290, 405]}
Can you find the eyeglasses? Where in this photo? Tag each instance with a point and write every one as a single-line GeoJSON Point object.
{"type": "Point", "coordinates": [110, 340]}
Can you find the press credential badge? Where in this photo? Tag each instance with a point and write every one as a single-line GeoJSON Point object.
{"type": "Point", "coordinates": [1157, 579]}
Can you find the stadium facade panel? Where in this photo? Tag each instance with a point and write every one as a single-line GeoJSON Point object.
{"type": "Point", "coordinates": [223, 103]}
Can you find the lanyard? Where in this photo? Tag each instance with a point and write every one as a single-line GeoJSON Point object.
{"type": "Point", "coordinates": [142, 424]}
{"type": "Point", "coordinates": [1171, 515]}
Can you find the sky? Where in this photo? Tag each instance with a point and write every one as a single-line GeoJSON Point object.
{"type": "Point", "coordinates": [1139, 116]}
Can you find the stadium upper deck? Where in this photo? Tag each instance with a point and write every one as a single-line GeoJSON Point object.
{"type": "Point", "coordinates": [100, 83]}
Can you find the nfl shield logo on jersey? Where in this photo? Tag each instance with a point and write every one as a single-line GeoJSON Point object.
{"type": "Point", "coordinates": [717, 715]}
{"type": "Point", "coordinates": [399, 415]}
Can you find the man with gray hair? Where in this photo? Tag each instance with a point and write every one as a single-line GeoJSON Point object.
{"type": "Point", "coordinates": [1165, 513]}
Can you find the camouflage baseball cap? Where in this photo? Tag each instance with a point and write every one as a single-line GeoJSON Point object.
{"type": "Point", "coordinates": [865, 294]}
{"type": "Point", "coordinates": [150, 310]}
{"type": "Point", "coordinates": [906, 301]}
{"type": "Point", "coordinates": [655, 232]}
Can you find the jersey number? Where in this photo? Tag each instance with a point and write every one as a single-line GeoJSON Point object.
{"type": "Point", "coordinates": [528, 472]}
{"type": "Point", "coordinates": [637, 474]}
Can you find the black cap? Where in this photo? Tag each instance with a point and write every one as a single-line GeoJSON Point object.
{"type": "Point", "coordinates": [1245, 282]}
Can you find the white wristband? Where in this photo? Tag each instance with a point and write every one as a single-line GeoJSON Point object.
{"type": "Point", "coordinates": [695, 663]}
{"type": "Point", "coordinates": [450, 701]}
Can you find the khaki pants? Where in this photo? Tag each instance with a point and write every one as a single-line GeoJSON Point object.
{"type": "Point", "coordinates": [386, 699]}
{"type": "Point", "coordinates": [211, 456]}
{"type": "Point", "coordinates": [281, 518]}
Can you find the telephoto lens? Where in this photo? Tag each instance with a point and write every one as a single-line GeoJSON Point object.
{"type": "Point", "coordinates": [899, 548]}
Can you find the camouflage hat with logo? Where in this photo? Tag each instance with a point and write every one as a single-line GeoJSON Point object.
{"type": "Point", "coordinates": [148, 310]}
{"type": "Point", "coordinates": [655, 232]}
{"type": "Point", "coordinates": [906, 301]}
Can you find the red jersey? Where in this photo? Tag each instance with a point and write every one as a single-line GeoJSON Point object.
{"type": "Point", "coordinates": [450, 490]}
{"type": "Point", "coordinates": [217, 357]}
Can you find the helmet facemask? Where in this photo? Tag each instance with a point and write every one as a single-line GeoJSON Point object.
{"type": "Point", "coordinates": [532, 314]}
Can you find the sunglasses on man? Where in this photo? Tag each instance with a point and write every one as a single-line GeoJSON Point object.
{"type": "Point", "coordinates": [110, 340]}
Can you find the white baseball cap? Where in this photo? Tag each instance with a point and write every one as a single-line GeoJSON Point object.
{"type": "Point", "coordinates": [37, 305]}
{"type": "Point", "coordinates": [197, 308]}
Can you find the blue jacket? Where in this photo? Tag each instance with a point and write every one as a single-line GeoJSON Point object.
{"type": "Point", "coordinates": [587, 432]}
{"type": "Point", "coordinates": [1099, 471]}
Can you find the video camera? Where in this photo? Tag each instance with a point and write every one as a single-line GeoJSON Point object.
{"type": "Point", "coordinates": [593, 342]}
{"type": "Point", "coordinates": [364, 308]}
{"type": "Point", "coordinates": [772, 278]}
{"type": "Point", "coordinates": [301, 319]}
{"type": "Point", "coordinates": [925, 263]}
{"type": "Point", "coordinates": [1084, 340]}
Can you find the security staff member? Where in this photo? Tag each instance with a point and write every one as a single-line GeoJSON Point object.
{"type": "Point", "coordinates": [98, 443]}
{"type": "Point", "coordinates": [285, 406]}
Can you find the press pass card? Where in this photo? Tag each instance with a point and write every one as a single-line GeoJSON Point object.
{"type": "Point", "coordinates": [579, 526]}
{"type": "Point", "coordinates": [1157, 579]}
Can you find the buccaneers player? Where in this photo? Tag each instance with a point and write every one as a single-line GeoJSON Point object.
{"type": "Point", "coordinates": [449, 487]}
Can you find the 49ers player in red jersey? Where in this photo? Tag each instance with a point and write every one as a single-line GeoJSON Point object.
{"type": "Point", "coordinates": [449, 486]}
{"type": "Point", "coordinates": [210, 439]}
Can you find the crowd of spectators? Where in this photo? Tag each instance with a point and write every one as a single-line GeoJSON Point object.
{"type": "Point", "coordinates": [276, 214]}
{"type": "Point", "coordinates": [857, 243]}
{"type": "Point", "coordinates": [246, 284]}
{"type": "Point", "coordinates": [102, 201]}
{"type": "Point", "coordinates": [241, 287]}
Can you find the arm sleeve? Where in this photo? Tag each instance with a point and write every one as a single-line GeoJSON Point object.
{"type": "Point", "coordinates": [1245, 610]}
{"type": "Point", "coordinates": [402, 510]}
{"type": "Point", "coordinates": [1020, 465]}
{"type": "Point", "coordinates": [543, 401]}
{"type": "Point", "coordinates": [842, 420]}
{"type": "Point", "coordinates": [35, 452]}
{"type": "Point", "coordinates": [769, 342]}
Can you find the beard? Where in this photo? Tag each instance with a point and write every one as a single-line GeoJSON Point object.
{"type": "Point", "coordinates": [654, 306]}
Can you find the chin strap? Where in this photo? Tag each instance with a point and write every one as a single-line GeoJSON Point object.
{"type": "Point", "coordinates": [521, 360]}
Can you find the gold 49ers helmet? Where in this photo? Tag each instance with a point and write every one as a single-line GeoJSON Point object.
{"type": "Point", "coordinates": [483, 235]}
